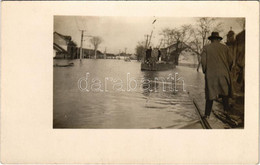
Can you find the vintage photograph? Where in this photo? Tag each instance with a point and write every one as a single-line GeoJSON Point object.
{"type": "Point", "coordinates": [112, 72]}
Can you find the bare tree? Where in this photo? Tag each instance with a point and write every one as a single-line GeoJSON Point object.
{"type": "Point", "coordinates": [178, 36]}
{"type": "Point", "coordinates": [192, 37]}
{"type": "Point", "coordinates": [140, 51]}
{"type": "Point", "coordinates": [172, 36]}
{"type": "Point", "coordinates": [200, 33]}
{"type": "Point", "coordinates": [96, 41]}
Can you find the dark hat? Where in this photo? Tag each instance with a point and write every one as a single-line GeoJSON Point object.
{"type": "Point", "coordinates": [214, 35]}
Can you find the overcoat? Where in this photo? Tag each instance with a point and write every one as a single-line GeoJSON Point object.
{"type": "Point", "coordinates": [216, 60]}
{"type": "Point", "coordinates": [154, 55]}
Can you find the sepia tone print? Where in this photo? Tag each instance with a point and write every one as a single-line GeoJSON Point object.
{"type": "Point", "coordinates": [148, 72]}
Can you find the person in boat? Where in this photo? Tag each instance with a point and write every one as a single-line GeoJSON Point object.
{"type": "Point", "coordinates": [159, 55]}
{"type": "Point", "coordinates": [148, 54]}
{"type": "Point", "coordinates": [154, 57]}
{"type": "Point", "coordinates": [216, 60]}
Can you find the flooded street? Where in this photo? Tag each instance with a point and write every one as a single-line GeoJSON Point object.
{"type": "Point", "coordinates": [136, 107]}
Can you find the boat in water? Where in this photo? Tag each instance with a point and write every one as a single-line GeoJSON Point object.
{"type": "Point", "coordinates": [127, 59]}
{"type": "Point", "coordinates": [64, 65]}
{"type": "Point", "coordinates": [157, 66]}
{"type": "Point", "coordinates": [153, 62]}
{"type": "Point", "coordinates": [152, 58]}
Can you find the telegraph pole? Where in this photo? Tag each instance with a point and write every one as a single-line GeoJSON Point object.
{"type": "Point", "coordinates": [105, 53]}
{"type": "Point", "coordinates": [81, 43]}
{"type": "Point", "coordinates": [125, 53]}
{"type": "Point", "coordinates": [146, 41]}
{"type": "Point", "coordinates": [150, 38]}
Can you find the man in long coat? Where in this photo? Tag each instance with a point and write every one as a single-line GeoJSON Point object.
{"type": "Point", "coordinates": [216, 61]}
{"type": "Point", "coordinates": [148, 54]}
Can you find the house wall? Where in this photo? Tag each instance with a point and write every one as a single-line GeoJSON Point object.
{"type": "Point", "coordinates": [54, 53]}
{"type": "Point", "coordinates": [238, 71]}
{"type": "Point", "coordinates": [60, 41]}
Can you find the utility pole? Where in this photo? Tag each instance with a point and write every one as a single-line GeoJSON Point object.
{"type": "Point", "coordinates": [146, 40]}
{"type": "Point", "coordinates": [81, 43]}
{"type": "Point", "coordinates": [89, 51]}
{"type": "Point", "coordinates": [125, 52]}
{"type": "Point", "coordinates": [150, 38]}
{"type": "Point", "coordinates": [105, 53]}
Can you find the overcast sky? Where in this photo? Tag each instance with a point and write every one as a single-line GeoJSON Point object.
{"type": "Point", "coordinates": [119, 33]}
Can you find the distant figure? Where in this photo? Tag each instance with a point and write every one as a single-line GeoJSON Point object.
{"type": "Point", "coordinates": [154, 57]}
{"type": "Point", "coordinates": [159, 55]}
{"type": "Point", "coordinates": [216, 61]}
{"type": "Point", "coordinates": [148, 54]}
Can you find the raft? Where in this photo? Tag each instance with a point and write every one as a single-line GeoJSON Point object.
{"type": "Point", "coordinates": [127, 60]}
{"type": "Point", "coordinates": [65, 65]}
{"type": "Point", "coordinates": [157, 66]}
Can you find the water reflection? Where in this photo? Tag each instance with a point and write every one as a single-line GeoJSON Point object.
{"type": "Point", "coordinates": [148, 83]}
{"type": "Point", "coordinates": [140, 108]}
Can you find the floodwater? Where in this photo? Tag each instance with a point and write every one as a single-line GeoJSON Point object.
{"type": "Point", "coordinates": [117, 94]}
